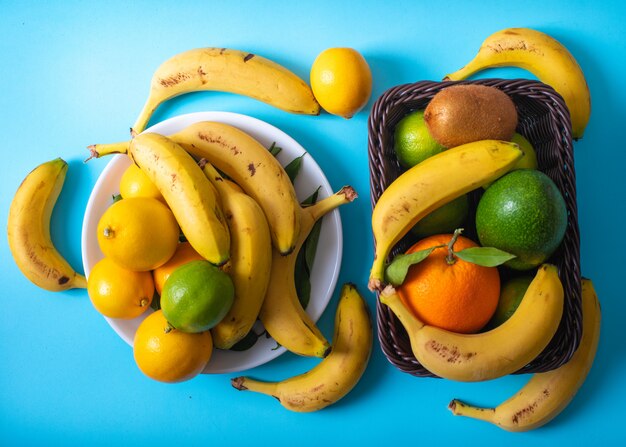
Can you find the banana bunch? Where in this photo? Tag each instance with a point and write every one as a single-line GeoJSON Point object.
{"type": "Point", "coordinates": [227, 70]}
{"type": "Point", "coordinates": [251, 259]}
{"type": "Point", "coordinates": [495, 353]}
{"type": "Point", "coordinates": [543, 56]}
{"type": "Point", "coordinates": [336, 374]}
{"type": "Point", "coordinates": [546, 394]}
{"type": "Point", "coordinates": [429, 185]}
{"type": "Point", "coordinates": [29, 229]}
{"type": "Point", "coordinates": [282, 314]}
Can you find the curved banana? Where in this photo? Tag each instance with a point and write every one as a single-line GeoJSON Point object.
{"type": "Point", "coordinates": [185, 188]}
{"type": "Point", "coordinates": [228, 70]}
{"type": "Point", "coordinates": [429, 185]}
{"type": "Point", "coordinates": [335, 375]}
{"type": "Point", "coordinates": [496, 353]}
{"type": "Point", "coordinates": [250, 259]}
{"type": "Point", "coordinates": [282, 314]}
{"type": "Point", "coordinates": [546, 394]}
{"type": "Point", "coordinates": [29, 229]}
{"type": "Point", "coordinates": [254, 169]}
{"type": "Point", "coordinates": [543, 56]}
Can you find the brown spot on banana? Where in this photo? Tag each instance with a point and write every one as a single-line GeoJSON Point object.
{"type": "Point", "coordinates": [174, 80]}
{"type": "Point", "coordinates": [252, 169]}
{"type": "Point", "coordinates": [248, 57]}
{"type": "Point", "coordinates": [449, 354]}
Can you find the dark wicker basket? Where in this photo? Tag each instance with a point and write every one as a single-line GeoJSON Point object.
{"type": "Point", "coordinates": [544, 120]}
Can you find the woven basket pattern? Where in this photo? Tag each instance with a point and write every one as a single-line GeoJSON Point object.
{"type": "Point", "coordinates": [544, 120]}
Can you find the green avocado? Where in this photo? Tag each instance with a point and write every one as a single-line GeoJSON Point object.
{"type": "Point", "coordinates": [522, 213]}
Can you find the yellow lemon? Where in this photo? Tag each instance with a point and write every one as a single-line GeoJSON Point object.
{"type": "Point", "coordinates": [184, 254]}
{"type": "Point", "coordinates": [135, 183]}
{"type": "Point", "coordinates": [116, 292]}
{"type": "Point", "coordinates": [341, 81]}
{"type": "Point", "coordinates": [168, 355]}
{"type": "Point", "coordinates": [139, 233]}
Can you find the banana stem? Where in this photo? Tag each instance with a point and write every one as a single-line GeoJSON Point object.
{"type": "Point", "coordinates": [459, 408]}
{"type": "Point", "coordinates": [99, 150]}
{"type": "Point", "coordinates": [247, 384]}
{"type": "Point", "coordinates": [344, 195]}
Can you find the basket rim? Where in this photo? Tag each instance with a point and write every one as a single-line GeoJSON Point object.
{"type": "Point", "coordinates": [384, 114]}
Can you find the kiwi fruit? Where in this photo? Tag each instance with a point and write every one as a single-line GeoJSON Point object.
{"type": "Point", "coordinates": [464, 113]}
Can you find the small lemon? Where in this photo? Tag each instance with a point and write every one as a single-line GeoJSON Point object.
{"type": "Point", "coordinates": [412, 140]}
{"type": "Point", "coordinates": [136, 183]}
{"type": "Point", "coordinates": [116, 292]}
{"type": "Point", "coordinates": [138, 233]}
{"type": "Point", "coordinates": [169, 355]}
{"type": "Point", "coordinates": [341, 81]}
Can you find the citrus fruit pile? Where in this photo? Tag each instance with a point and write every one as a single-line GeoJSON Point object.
{"type": "Point", "coordinates": [522, 214]}
{"type": "Point", "coordinates": [144, 258]}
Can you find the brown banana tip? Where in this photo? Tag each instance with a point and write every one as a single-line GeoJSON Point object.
{"type": "Point", "coordinates": [349, 192]}
{"type": "Point", "coordinates": [237, 383]}
{"type": "Point", "coordinates": [93, 153]}
{"type": "Point", "coordinates": [452, 405]}
{"type": "Point", "coordinates": [375, 285]}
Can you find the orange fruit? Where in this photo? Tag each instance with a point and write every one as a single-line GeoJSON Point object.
{"type": "Point", "coordinates": [460, 296]}
{"type": "Point", "coordinates": [117, 292]}
{"type": "Point", "coordinates": [184, 253]}
{"type": "Point", "coordinates": [168, 355]}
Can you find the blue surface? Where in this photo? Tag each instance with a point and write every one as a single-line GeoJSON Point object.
{"type": "Point", "coordinates": [74, 74]}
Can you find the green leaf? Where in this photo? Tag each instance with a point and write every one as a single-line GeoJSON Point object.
{"type": "Point", "coordinates": [293, 167]}
{"type": "Point", "coordinates": [302, 277]}
{"type": "Point", "coordinates": [274, 150]}
{"type": "Point", "coordinates": [398, 268]}
{"type": "Point", "coordinates": [485, 256]}
{"type": "Point", "coordinates": [310, 246]}
{"type": "Point", "coordinates": [245, 343]}
{"type": "Point", "coordinates": [155, 304]}
{"type": "Point", "coordinates": [312, 198]}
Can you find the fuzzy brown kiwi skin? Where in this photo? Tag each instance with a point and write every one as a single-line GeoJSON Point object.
{"type": "Point", "coordinates": [470, 112]}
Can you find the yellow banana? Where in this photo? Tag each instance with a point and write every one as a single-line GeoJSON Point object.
{"type": "Point", "coordinates": [429, 185]}
{"type": "Point", "coordinates": [29, 229]}
{"type": "Point", "coordinates": [546, 394]}
{"type": "Point", "coordinates": [250, 259]}
{"type": "Point", "coordinates": [543, 56]}
{"type": "Point", "coordinates": [496, 353]}
{"type": "Point", "coordinates": [228, 70]}
{"type": "Point", "coordinates": [185, 188]}
{"type": "Point", "coordinates": [282, 314]}
{"type": "Point", "coordinates": [335, 375]}
{"type": "Point", "coordinates": [252, 167]}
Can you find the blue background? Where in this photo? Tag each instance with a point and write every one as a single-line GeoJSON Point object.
{"type": "Point", "coordinates": [75, 73]}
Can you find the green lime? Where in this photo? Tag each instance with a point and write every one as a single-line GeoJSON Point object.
{"type": "Point", "coordinates": [445, 219]}
{"type": "Point", "coordinates": [196, 296]}
{"type": "Point", "coordinates": [522, 213]}
{"type": "Point", "coordinates": [511, 295]}
{"type": "Point", "coordinates": [413, 142]}
{"type": "Point", "coordinates": [528, 160]}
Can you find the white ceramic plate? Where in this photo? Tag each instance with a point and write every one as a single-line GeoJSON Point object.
{"type": "Point", "coordinates": [329, 252]}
